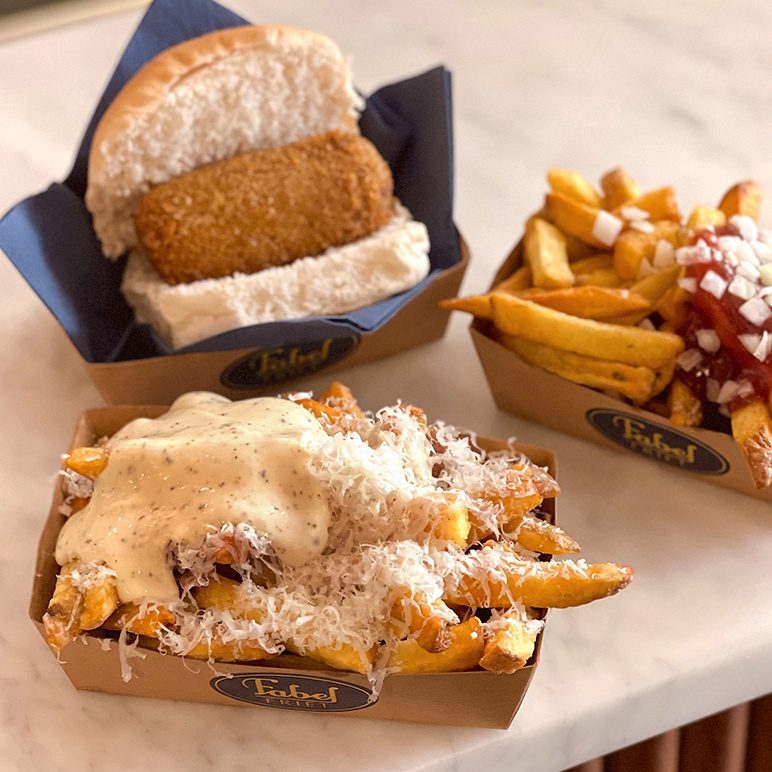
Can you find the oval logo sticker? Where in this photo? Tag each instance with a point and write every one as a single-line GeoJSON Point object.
{"type": "Point", "coordinates": [656, 441]}
{"type": "Point", "coordinates": [293, 692]}
{"type": "Point", "coordinates": [274, 364]}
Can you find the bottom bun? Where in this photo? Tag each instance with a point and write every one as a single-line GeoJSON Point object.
{"type": "Point", "coordinates": [341, 279]}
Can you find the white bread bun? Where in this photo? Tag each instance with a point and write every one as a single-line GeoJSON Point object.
{"type": "Point", "coordinates": [207, 99]}
{"type": "Point", "coordinates": [391, 260]}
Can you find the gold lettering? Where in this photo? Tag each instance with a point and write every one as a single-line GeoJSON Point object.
{"type": "Point", "coordinates": [653, 444]}
{"type": "Point", "coordinates": [266, 687]}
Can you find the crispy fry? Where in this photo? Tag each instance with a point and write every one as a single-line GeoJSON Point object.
{"type": "Point", "coordinates": [672, 306]}
{"type": "Point", "coordinates": [703, 216]}
{"type": "Point", "coordinates": [99, 602]}
{"type": "Point", "coordinates": [90, 462]}
{"type": "Point", "coordinates": [520, 279]}
{"type": "Point", "coordinates": [61, 620]}
{"type": "Point", "coordinates": [319, 409]}
{"type": "Point", "coordinates": [130, 616]}
{"type": "Point", "coordinates": [573, 185]}
{"type": "Point", "coordinates": [224, 593]}
{"type": "Point", "coordinates": [511, 645]}
{"type": "Point", "coordinates": [592, 263]}
{"type": "Point", "coordinates": [661, 204]}
{"type": "Point", "coordinates": [663, 376]}
{"type": "Point", "coordinates": [685, 407]}
{"type": "Point", "coordinates": [478, 305]}
{"type": "Point", "coordinates": [743, 198]}
{"type": "Point", "coordinates": [543, 585]}
{"type": "Point", "coordinates": [632, 247]}
{"type": "Point", "coordinates": [602, 277]}
{"type": "Point", "coordinates": [752, 430]}
{"type": "Point", "coordinates": [652, 287]}
{"type": "Point", "coordinates": [574, 218]}
{"type": "Point", "coordinates": [545, 251]}
{"type": "Point", "coordinates": [341, 396]}
{"type": "Point", "coordinates": [428, 622]}
{"type": "Point", "coordinates": [464, 652]}
{"type": "Point", "coordinates": [454, 523]}
{"type": "Point", "coordinates": [540, 536]}
{"type": "Point", "coordinates": [590, 302]}
{"type": "Point", "coordinates": [576, 249]}
{"type": "Point", "coordinates": [629, 345]}
{"type": "Point", "coordinates": [635, 382]}
{"type": "Point", "coordinates": [619, 188]}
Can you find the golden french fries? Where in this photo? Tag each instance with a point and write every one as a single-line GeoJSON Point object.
{"type": "Point", "coordinates": [89, 462]}
{"type": "Point", "coordinates": [601, 277]}
{"type": "Point", "coordinates": [510, 645]}
{"type": "Point", "coordinates": [577, 219]}
{"type": "Point", "coordinates": [743, 199]}
{"type": "Point", "coordinates": [232, 592]}
{"type": "Point", "coordinates": [704, 216]}
{"type": "Point", "coordinates": [634, 382]}
{"type": "Point", "coordinates": [428, 622]}
{"type": "Point", "coordinates": [752, 430]}
{"type": "Point", "coordinates": [477, 305]}
{"type": "Point", "coordinates": [590, 302]}
{"type": "Point", "coordinates": [685, 408]}
{"type": "Point", "coordinates": [633, 247]}
{"type": "Point", "coordinates": [542, 585]}
{"type": "Point", "coordinates": [573, 185]}
{"type": "Point", "coordinates": [629, 345]}
{"type": "Point", "coordinates": [520, 279]}
{"type": "Point", "coordinates": [619, 188]}
{"type": "Point", "coordinates": [661, 204]}
{"type": "Point", "coordinates": [462, 653]}
{"type": "Point", "coordinates": [545, 252]}
{"type": "Point", "coordinates": [62, 618]}
{"type": "Point", "coordinates": [540, 536]}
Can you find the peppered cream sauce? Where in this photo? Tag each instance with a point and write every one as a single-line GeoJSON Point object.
{"type": "Point", "coordinates": [206, 462]}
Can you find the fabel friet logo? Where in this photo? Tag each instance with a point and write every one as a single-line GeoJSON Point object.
{"type": "Point", "coordinates": [274, 364]}
{"type": "Point", "coordinates": [657, 441]}
{"type": "Point", "coordinates": [293, 692]}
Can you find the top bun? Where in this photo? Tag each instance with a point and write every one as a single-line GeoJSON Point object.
{"type": "Point", "coordinates": [207, 99]}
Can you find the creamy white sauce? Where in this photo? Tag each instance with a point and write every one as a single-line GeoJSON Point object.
{"type": "Point", "coordinates": [206, 462]}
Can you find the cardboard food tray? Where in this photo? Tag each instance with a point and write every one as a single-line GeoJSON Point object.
{"type": "Point", "coordinates": [50, 240]}
{"type": "Point", "coordinates": [473, 698]}
{"type": "Point", "coordinates": [530, 392]}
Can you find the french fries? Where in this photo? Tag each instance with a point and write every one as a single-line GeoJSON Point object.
{"type": "Point", "coordinates": [752, 430]}
{"type": "Point", "coordinates": [510, 645]}
{"type": "Point", "coordinates": [618, 286]}
{"type": "Point", "coordinates": [90, 462]}
{"type": "Point", "coordinates": [573, 185]}
{"type": "Point", "coordinates": [414, 602]}
{"type": "Point", "coordinates": [634, 382]}
{"type": "Point", "coordinates": [629, 345]}
{"type": "Point", "coordinates": [541, 585]}
{"type": "Point", "coordinates": [545, 251]}
{"type": "Point", "coordinates": [589, 302]}
{"type": "Point", "coordinates": [619, 188]}
{"type": "Point", "coordinates": [464, 651]}
{"type": "Point", "coordinates": [540, 536]}
{"type": "Point", "coordinates": [744, 199]}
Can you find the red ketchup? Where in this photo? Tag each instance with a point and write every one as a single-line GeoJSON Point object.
{"type": "Point", "coordinates": [733, 360]}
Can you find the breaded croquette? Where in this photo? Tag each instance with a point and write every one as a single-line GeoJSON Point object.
{"type": "Point", "coordinates": [265, 208]}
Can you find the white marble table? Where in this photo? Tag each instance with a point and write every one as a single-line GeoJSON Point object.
{"type": "Point", "coordinates": [674, 91]}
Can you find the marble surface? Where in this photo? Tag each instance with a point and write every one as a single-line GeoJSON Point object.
{"type": "Point", "coordinates": [674, 91]}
